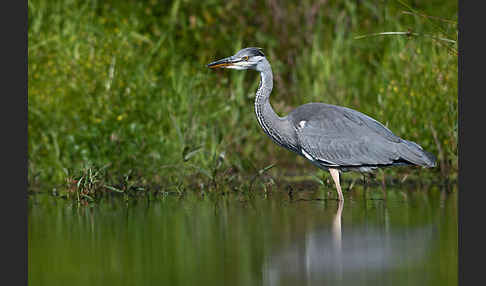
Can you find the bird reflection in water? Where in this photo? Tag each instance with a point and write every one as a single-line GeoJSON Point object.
{"type": "Point", "coordinates": [337, 239]}
{"type": "Point", "coordinates": [344, 256]}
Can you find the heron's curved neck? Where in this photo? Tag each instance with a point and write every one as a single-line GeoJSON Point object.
{"type": "Point", "coordinates": [274, 126]}
{"type": "Point", "coordinates": [264, 111]}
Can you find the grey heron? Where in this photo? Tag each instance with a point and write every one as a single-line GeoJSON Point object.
{"type": "Point", "coordinates": [333, 138]}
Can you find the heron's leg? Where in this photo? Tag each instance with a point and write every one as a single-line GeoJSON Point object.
{"type": "Point", "coordinates": [335, 177]}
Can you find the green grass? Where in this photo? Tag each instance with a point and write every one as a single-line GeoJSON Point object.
{"type": "Point", "coordinates": [122, 86]}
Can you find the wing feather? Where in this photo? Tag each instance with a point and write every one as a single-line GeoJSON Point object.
{"type": "Point", "coordinates": [339, 136]}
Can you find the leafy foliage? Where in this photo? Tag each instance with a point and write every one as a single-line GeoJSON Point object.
{"type": "Point", "coordinates": [123, 84]}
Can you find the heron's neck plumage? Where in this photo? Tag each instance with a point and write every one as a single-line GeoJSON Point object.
{"type": "Point", "coordinates": [277, 128]}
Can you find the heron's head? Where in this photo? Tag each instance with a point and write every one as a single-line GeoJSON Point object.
{"type": "Point", "coordinates": [247, 58]}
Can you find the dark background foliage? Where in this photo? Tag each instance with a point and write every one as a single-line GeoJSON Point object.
{"type": "Point", "coordinates": [122, 86]}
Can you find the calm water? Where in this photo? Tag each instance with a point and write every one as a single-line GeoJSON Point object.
{"type": "Point", "coordinates": [409, 239]}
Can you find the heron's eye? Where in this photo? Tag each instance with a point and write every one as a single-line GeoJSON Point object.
{"type": "Point", "coordinates": [245, 58]}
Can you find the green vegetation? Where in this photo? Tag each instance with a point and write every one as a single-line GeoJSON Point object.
{"type": "Point", "coordinates": [121, 87]}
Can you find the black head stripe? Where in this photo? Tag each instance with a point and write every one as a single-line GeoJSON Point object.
{"type": "Point", "coordinates": [251, 51]}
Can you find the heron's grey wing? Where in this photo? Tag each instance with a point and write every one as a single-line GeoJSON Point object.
{"type": "Point", "coordinates": [339, 136]}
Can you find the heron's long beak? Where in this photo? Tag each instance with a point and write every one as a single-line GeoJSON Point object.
{"type": "Point", "coordinates": [221, 63]}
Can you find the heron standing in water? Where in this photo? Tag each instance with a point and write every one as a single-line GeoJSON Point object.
{"type": "Point", "coordinates": [333, 138]}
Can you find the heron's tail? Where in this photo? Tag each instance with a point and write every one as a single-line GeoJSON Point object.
{"type": "Point", "coordinates": [415, 154]}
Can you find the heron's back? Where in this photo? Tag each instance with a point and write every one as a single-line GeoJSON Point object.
{"type": "Point", "coordinates": [340, 137]}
